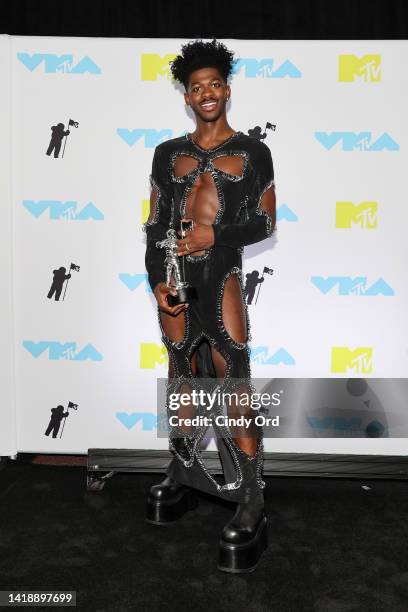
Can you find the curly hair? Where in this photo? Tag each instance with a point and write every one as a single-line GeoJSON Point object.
{"type": "Point", "coordinates": [198, 54]}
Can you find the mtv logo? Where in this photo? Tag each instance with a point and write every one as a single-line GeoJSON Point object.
{"type": "Point", "coordinates": [365, 68]}
{"type": "Point", "coordinates": [348, 215]}
{"type": "Point", "coordinates": [151, 355]}
{"type": "Point", "coordinates": [145, 210]}
{"type": "Point", "coordinates": [359, 360]}
{"type": "Point", "coordinates": [153, 65]}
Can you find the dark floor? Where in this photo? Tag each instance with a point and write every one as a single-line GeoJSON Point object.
{"type": "Point", "coordinates": [334, 545]}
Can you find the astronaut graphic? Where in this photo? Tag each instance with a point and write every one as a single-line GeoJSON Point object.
{"type": "Point", "coordinates": [57, 414]}
{"type": "Point", "coordinates": [256, 132]}
{"type": "Point", "coordinates": [252, 281]}
{"type": "Point", "coordinates": [58, 134]}
{"type": "Point", "coordinates": [59, 278]}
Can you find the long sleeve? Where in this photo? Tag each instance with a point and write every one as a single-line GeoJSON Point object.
{"type": "Point", "coordinates": [259, 223]}
{"type": "Point", "coordinates": [157, 223]}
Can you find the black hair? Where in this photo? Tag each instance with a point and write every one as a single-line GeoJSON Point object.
{"type": "Point", "coordinates": [198, 54]}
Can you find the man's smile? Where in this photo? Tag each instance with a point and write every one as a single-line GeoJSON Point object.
{"type": "Point", "coordinates": [208, 105]}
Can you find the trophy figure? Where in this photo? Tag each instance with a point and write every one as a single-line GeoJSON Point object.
{"type": "Point", "coordinates": [185, 292]}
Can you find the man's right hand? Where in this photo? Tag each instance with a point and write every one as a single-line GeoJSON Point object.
{"type": "Point", "coordinates": [161, 291]}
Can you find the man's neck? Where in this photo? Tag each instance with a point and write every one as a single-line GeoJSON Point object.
{"type": "Point", "coordinates": [210, 134]}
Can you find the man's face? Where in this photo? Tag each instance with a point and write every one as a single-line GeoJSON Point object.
{"type": "Point", "coordinates": [207, 93]}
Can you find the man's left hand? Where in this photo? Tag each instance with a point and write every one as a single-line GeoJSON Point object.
{"type": "Point", "coordinates": [198, 239]}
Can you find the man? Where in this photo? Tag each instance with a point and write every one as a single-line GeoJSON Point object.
{"type": "Point", "coordinates": [224, 181]}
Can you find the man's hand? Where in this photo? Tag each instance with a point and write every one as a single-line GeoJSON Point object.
{"type": "Point", "coordinates": [198, 239]}
{"type": "Point", "coordinates": [161, 291]}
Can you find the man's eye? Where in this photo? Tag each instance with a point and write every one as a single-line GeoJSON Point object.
{"type": "Point", "coordinates": [217, 84]}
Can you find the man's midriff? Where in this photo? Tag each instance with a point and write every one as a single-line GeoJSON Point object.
{"type": "Point", "coordinates": [202, 203]}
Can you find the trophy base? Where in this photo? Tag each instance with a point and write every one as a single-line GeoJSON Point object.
{"type": "Point", "coordinates": [184, 294]}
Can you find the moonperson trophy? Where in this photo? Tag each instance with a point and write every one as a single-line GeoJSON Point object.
{"type": "Point", "coordinates": [185, 292]}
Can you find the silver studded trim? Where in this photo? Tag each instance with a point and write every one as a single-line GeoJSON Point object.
{"type": "Point", "coordinates": [172, 161]}
{"type": "Point", "coordinates": [221, 199]}
{"type": "Point", "coordinates": [229, 486]}
{"type": "Point", "coordinates": [235, 343]}
{"type": "Point", "coordinates": [148, 223]}
{"type": "Point", "coordinates": [222, 144]}
{"type": "Point", "coordinates": [194, 174]}
{"type": "Point", "coordinates": [264, 213]}
{"type": "Point", "coordinates": [237, 483]}
{"type": "Point", "coordinates": [192, 442]}
{"type": "Point", "coordinates": [175, 344]}
{"type": "Point", "coordinates": [235, 178]}
{"type": "Point", "coordinates": [172, 214]}
{"type": "Point", "coordinates": [196, 258]}
{"type": "Point", "coordinates": [206, 160]}
{"type": "Point", "coordinates": [257, 458]}
{"type": "Point", "coordinates": [259, 465]}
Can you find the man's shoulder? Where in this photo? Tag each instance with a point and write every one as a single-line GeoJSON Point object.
{"type": "Point", "coordinates": [256, 145]}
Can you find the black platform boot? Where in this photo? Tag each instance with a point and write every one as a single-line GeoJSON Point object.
{"type": "Point", "coordinates": [169, 501]}
{"type": "Point", "coordinates": [244, 538]}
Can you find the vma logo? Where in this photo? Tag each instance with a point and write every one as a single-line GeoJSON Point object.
{"type": "Point", "coordinates": [284, 213]}
{"type": "Point", "coordinates": [151, 137]}
{"type": "Point", "coordinates": [129, 420]}
{"type": "Point", "coordinates": [352, 286]}
{"type": "Point", "coordinates": [264, 68]}
{"type": "Point", "coordinates": [366, 68]}
{"type": "Point", "coordinates": [58, 351]}
{"type": "Point", "coordinates": [359, 360]}
{"type": "Point", "coordinates": [133, 281]}
{"type": "Point", "coordinates": [58, 63]}
{"type": "Point", "coordinates": [59, 210]}
{"type": "Point", "coordinates": [148, 421]}
{"type": "Point", "coordinates": [259, 355]}
{"type": "Point", "coordinates": [151, 355]}
{"type": "Point", "coordinates": [348, 215]}
{"type": "Point", "coordinates": [356, 141]}
{"type": "Point", "coordinates": [154, 65]}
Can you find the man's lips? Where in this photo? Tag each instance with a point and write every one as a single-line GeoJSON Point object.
{"type": "Point", "coordinates": [208, 106]}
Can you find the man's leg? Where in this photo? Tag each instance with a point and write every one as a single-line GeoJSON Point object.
{"type": "Point", "coordinates": [235, 324]}
{"type": "Point", "coordinates": [244, 538]}
{"type": "Point", "coordinates": [169, 500]}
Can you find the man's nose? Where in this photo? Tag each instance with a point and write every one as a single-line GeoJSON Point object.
{"type": "Point", "coordinates": [207, 93]}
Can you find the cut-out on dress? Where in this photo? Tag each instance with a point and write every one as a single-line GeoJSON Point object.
{"type": "Point", "coordinates": [240, 220]}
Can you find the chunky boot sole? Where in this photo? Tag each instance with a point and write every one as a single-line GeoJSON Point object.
{"type": "Point", "coordinates": [241, 558]}
{"type": "Point", "coordinates": [168, 511]}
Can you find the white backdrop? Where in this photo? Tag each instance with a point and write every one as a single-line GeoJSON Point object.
{"type": "Point", "coordinates": [336, 303]}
